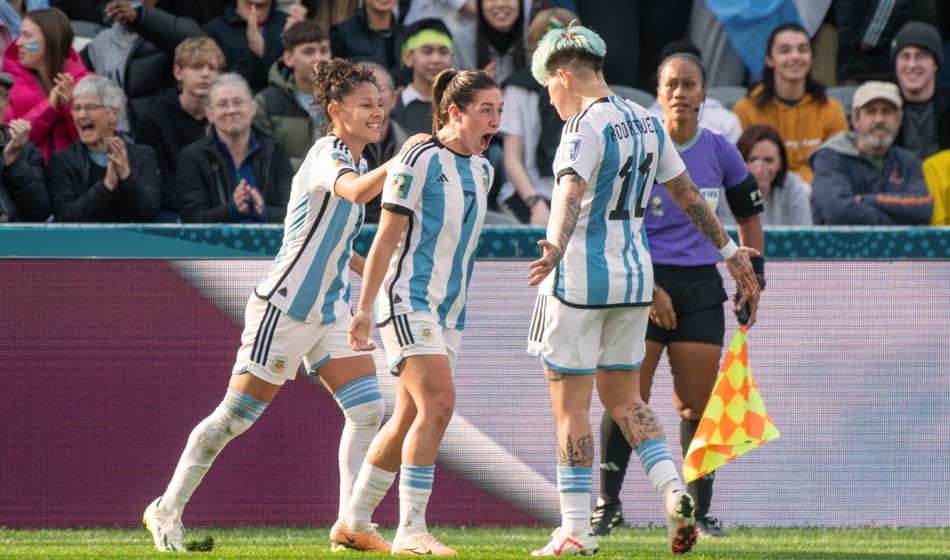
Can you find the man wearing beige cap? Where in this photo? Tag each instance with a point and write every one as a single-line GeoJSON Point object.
{"type": "Point", "coordinates": [861, 178]}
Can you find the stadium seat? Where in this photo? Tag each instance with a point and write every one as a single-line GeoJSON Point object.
{"type": "Point", "coordinates": [727, 95]}
{"type": "Point", "coordinates": [638, 96]}
{"type": "Point", "coordinates": [84, 32]}
{"type": "Point", "coordinates": [844, 94]}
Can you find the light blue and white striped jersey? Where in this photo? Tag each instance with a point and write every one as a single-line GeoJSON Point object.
{"type": "Point", "coordinates": [445, 196]}
{"type": "Point", "coordinates": [620, 150]}
{"type": "Point", "coordinates": [310, 278]}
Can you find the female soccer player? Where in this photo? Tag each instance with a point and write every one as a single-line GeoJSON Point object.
{"type": "Point", "coordinates": [433, 209]}
{"type": "Point", "coordinates": [592, 312]}
{"type": "Point", "coordinates": [686, 317]}
{"type": "Point", "coordinates": [300, 310]}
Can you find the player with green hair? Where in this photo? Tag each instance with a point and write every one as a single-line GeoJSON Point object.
{"type": "Point", "coordinates": [591, 314]}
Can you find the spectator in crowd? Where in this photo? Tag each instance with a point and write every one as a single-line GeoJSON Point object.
{"type": "Point", "coordinates": [237, 172]}
{"type": "Point", "coordinates": [861, 178]}
{"type": "Point", "coordinates": [790, 100]}
{"type": "Point", "coordinates": [426, 51]}
{"type": "Point", "coordinates": [936, 170]}
{"type": "Point", "coordinates": [45, 67]}
{"type": "Point", "coordinates": [140, 68]}
{"type": "Point", "coordinates": [102, 177]}
{"type": "Point", "coordinates": [500, 37]}
{"type": "Point", "coordinates": [23, 196]}
{"type": "Point", "coordinates": [391, 136]}
{"type": "Point", "coordinates": [164, 29]}
{"type": "Point", "coordinates": [176, 117]}
{"type": "Point", "coordinates": [531, 132]}
{"type": "Point", "coordinates": [786, 196]}
{"type": "Point", "coordinates": [459, 18]}
{"type": "Point", "coordinates": [713, 115]}
{"type": "Point", "coordinates": [201, 12]}
{"type": "Point", "coordinates": [918, 55]}
{"type": "Point", "coordinates": [284, 107]}
{"type": "Point", "coordinates": [369, 36]}
{"type": "Point", "coordinates": [249, 34]}
{"type": "Point", "coordinates": [865, 31]}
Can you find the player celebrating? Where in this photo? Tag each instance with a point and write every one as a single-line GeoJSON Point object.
{"type": "Point", "coordinates": [433, 208]}
{"type": "Point", "coordinates": [300, 310]}
{"type": "Point", "coordinates": [686, 316]}
{"type": "Point", "coordinates": [591, 313]}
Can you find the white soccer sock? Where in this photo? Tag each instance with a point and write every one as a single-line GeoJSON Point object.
{"type": "Point", "coordinates": [415, 487]}
{"type": "Point", "coordinates": [236, 413]}
{"type": "Point", "coordinates": [369, 489]}
{"type": "Point", "coordinates": [574, 490]}
{"type": "Point", "coordinates": [363, 408]}
{"type": "Point", "coordinates": [658, 463]}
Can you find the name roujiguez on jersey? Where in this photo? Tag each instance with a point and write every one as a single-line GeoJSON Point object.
{"type": "Point", "coordinates": [309, 279]}
{"type": "Point", "coordinates": [620, 150]}
{"type": "Point", "coordinates": [444, 194]}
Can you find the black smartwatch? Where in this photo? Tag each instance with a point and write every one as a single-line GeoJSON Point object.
{"type": "Point", "coordinates": [532, 200]}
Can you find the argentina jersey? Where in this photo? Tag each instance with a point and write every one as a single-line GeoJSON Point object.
{"type": "Point", "coordinates": [309, 279]}
{"type": "Point", "coordinates": [620, 150]}
{"type": "Point", "coordinates": [444, 195]}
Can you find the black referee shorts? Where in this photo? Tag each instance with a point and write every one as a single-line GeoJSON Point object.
{"type": "Point", "coordinates": [697, 293]}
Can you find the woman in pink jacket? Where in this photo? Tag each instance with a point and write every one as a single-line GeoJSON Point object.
{"type": "Point", "coordinates": [45, 67]}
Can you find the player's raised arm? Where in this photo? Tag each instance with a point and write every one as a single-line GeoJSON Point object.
{"type": "Point", "coordinates": [685, 194]}
{"type": "Point", "coordinates": [360, 189]}
{"type": "Point", "coordinates": [565, 208]}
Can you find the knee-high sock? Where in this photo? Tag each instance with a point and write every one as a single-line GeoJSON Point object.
{"type": "Point", "coordinates": [658, 463]}
{"type": "Point", "coordinates": [701, 489]}
{"type": "Point", "coordinates": [363, 408]}
{"type": "Point", "coordinates": [574, 489]}
{"type": "Point", "coordinates": [415, 487]}
{"type": "Point", "coordinates": [615, 456]}
{"type": "Point", "coordinates": [369, 489]}
{"type": "Point", "coordinates": [236, 413]}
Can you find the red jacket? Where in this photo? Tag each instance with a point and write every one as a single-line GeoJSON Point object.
{"type": "Point", "coordinates": [53, 129]}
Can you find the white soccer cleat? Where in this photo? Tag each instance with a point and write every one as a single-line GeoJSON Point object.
{"type": "Point", "coordinates": [563, 544]}
{"type": "Point", "coordinates": [421, 543]}
{"type": "Point", "coordinates": [167, 531]}
{"type": "Point", "coordinates": [681, 522]}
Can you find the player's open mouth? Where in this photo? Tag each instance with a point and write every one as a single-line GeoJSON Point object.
{"type": "Point", "coordinates": [485, 141]}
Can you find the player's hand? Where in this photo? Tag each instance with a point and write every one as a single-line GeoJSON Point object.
{"type": "Point", "coordinates": [661, 312]}
{"type": "Point", "coordinates": [255, 39]}
{"type": "Point", "coordinates": [550, 256]}
{"type": "Point", "coordinates": [414, 140]}
{"type": "Point", "coordinates": [740, 267]}
{"type": "Point", "coordinates": [358, 337]}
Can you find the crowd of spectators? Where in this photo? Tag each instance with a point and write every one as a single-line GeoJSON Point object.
{"type": "Point", "coordinates": [200, 112]}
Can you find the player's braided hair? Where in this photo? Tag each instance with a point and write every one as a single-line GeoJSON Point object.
{"type": "Point", "coordinates": [572, 44]}
{"type": "Point", "coordinates": [459, 88]}
{"type": "Point", "coordinates": [332, 81]}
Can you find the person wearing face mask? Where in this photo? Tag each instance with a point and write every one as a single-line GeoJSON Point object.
{"type": "Point", "coordinates": [790, 100]}
{"type": "Point", "coordinates": [786, 196]}
{"type": "Point", "coordinates": [861, 177]}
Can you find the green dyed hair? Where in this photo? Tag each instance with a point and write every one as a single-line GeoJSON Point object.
{"type": "Point", "coordinates": [559, 47]}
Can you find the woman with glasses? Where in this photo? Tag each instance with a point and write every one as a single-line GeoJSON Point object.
{"type": "Point", "coordinates": [45, 67]}
{"type": "Point", "coordinates": [102, 177]}
{"type": "Point", "coordinates": [237, 173]}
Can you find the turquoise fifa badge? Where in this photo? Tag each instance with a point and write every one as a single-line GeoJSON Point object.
{"type": "Point", "coordinates": [400, 185]}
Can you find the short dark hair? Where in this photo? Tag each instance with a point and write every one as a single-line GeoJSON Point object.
{"type": "Point", "coordinates": [758, 133]}
{"type": "Point", "coordinates": [306, 31]}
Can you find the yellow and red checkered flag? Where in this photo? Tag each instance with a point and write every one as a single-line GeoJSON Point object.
{"type": "Point", "coordinates": [734, 421]}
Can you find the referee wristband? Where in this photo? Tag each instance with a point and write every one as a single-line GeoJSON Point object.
{"type": "Point", "coordinates": [729, 250]}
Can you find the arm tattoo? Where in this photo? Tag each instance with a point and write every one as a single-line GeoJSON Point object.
{"type": "Point", "coordinates": [691, 202]}
{"type": "Point", "coordinates": [566, 213]}
{"type": "Point", "coordinates": [580, 454]}
{"type": "Point", "coordinates": [640, 425]}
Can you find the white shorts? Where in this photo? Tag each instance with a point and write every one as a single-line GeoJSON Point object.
{"type": "Point", "coordinates": [581, 341]}
{"type": "Point", "coordinates": [418, 334]}
{"type": "Point", "coordinates": [273, 344]}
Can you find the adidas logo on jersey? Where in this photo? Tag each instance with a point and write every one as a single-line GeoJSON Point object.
{"type": "Point", "coordinates": [443, 179]}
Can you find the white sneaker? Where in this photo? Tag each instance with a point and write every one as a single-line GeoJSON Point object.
{"type": "Point", "coordinates": [167, 531]}
{"type": "Point", "coordinates": [563, 544]}
{"type": "Point", "coordinates": [681, 522]}
{"type": "Point", "coordinates": [421, 543]}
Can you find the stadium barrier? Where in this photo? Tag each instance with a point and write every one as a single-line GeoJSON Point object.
{"type": "Point", "coordinates": [116, 340]}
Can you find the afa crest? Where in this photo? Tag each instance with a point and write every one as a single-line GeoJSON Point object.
{"type": "Point", "coordinates": [278, 364]}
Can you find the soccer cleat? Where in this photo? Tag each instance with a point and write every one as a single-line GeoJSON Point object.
{"type": "Point", "coordinates": [708, 527]}
{"type": "Point", "coordinates": [166, 531]}
{"type": "Point", "coordinates": [607, 515]}
{"type": "Point", "coordinates": [563, 544]}
{"type": "Point", "coordinates": [367, 540]}
{"type": "Point", "coordinates": [421, 543]}
{"type": "Point", "coordinates": [681, 522]}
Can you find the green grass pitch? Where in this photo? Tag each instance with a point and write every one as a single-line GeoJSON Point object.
{"type": "Point", "coordinates": [493, 543]}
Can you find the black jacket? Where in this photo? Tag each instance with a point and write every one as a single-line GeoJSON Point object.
{"type": "Point", "coordinates": [137, 199]}
{"type": "Point", "coordinates": [204, 186]}
{"type": "Point", "coordinates": [230, 32]}
{"type": "Point", "coordinates": [354, 39]}
{"type": "Point", "coordinates": [165, 30]}
{"type": "Point", "coordinates": [167, 128]}
{"type": "Point", "coordinates": [941, 100]}
{"type": "Point", "coordinates": [23, 196]}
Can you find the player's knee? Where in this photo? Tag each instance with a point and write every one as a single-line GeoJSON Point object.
{"type": "Point", "coordinates": [438, 408]}
{"type": "Point", "coordinates": [366, 415]}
